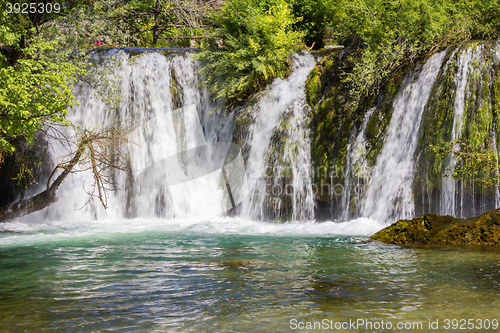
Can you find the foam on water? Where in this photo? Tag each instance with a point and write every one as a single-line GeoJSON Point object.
{"type": "Point", "coordinates": [25, 233]}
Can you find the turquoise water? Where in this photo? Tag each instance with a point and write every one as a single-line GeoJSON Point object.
{"type": "Point", "coordinates": [232, 275]}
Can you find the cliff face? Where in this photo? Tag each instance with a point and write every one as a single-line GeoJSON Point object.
{"type": "Point", "coordinates": [347, 140]}
{"type": "Point", "coordinates": [464, 103]}
{"type": "Point", "coordinates": [335, 124]}
{"type": "Point", "coordinates": [437, 229]}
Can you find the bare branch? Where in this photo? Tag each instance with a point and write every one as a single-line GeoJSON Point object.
{"type": "Point", "coordinates": [101, 152]}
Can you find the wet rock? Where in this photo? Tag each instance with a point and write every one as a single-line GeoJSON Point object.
{"type": "Point", "coordinates": [438, 229]}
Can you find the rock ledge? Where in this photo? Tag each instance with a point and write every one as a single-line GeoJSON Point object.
{"type": "Point", "coordinates": [438, 229]}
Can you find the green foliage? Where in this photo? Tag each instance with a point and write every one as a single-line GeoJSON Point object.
{"type": "Point", "coordinates": [316, 17]}
{"type": "Point", "coordinates": [395, 33]}
{"type": "Point", "coordinates": [10, 26]}
{"type": "Point", "coordinates": [158, 23]}
{"type": "Point", "coordinates": [256, 44]}
{"type": "Point", "coordinates": [33, 93]}
{"type": "Point", "coordinates": [479, 165]}
{"type": "Point", "coordinates": [81, 28]}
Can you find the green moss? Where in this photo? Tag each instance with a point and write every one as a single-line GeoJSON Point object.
{"type": "Point", "coordinates": [496, 103]}
{"type": "Point", "coordinates": [313, 86]}
{"type": "Point", "coordinates": [372, 129]}
{"type": "Point", "coordinates": [436, 229]}
{"type": "Point", "coordinates": [334, 116]}
{"type": "Point", "coordinates": [176, 90]}
{"type": "Point", "coordinates": [479, 115]}
{"type": "Point", "coordinates": [378, 124]}
{"type": "Point", "coordinates": [318, 78]}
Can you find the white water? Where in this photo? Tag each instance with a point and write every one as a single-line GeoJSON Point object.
{"type": "Point", "coordinates": [389, 195]}
{"type": "Point", "coordinates": [473, 72]}
{"type": "Point", "coordinates": [284, 102]}
{"type": "Point", "coordinates": [160, 131]}
{"type": "Point", "coordinates": [165, 125]}
{"type": "Point", "coordinates": [54, 232]}
{"type": "Point", "coordinates": [357, 167]}
{"type": "Point", "coordinates": [278, 142]}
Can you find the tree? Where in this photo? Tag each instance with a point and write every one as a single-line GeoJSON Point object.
{"type": "Point", "coordinates": [33, 94]}
{"type": "Point", "coordinates": [158, 22]}
{"type": "Point", "coordinates": [36, 91]}
{"type": "Point", "coordinates": [97, 151]}
{"type": "Point", "coordinates": [395, 33]}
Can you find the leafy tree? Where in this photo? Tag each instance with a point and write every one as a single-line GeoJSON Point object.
{"type": "Point", "coordinates": [254, 47]}
{"type": "Point", "coordinates": [33, 94]}
{"type": "Point", "coordinates": [157, 23]}
{"type": "Point", "coordinates": [313, 17]}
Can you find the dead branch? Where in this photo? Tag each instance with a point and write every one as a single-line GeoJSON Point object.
{"type": "Point", "coordinates": [101, 152]}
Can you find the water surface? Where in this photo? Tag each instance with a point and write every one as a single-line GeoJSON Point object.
{"type": "Point", "coordinates": [231, 275]}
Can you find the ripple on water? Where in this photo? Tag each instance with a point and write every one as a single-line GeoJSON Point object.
{"type": "Point", "coordinates": [175, 278]}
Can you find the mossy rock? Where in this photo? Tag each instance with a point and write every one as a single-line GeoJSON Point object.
{"type": "Point", "coordinates": [437, 229]}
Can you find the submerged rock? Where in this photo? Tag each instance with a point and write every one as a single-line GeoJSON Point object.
{"type": "Point", "coordinates": [439, 229]}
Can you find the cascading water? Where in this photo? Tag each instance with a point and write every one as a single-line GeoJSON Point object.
{"type": "Point", "coordinates": [282, 107]}
{"type": "Point", "coordinates": [448, 193]}
{"type": "Point", "coordinates": [356, 166]}
{"type": "Point", "coordinates": [462, 106]}
{"type": "Point", "coordinates": [389, 194]}
{"type": "Point", "coordinates": [161, 100]}
{"type": "Point", "coordinates": [169, 114]}
{"type": "Point", "coordinates": [473, 74]}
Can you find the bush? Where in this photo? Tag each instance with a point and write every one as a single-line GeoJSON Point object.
{"type": "Point", "coordinates": [393, 33]}
{"type": "Point", "coordinates": [255, 45]}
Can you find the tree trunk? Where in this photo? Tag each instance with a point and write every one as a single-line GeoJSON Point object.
{"type": "Point", "coordinates": [155, 28]}
{"type": "Point", "coordinates": [28, 206]}
{"type": "Point", "coordinates": [47, 197]}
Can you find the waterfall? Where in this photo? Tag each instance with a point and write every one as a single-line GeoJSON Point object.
{"type": "Point", "coordinates": [179, 133]}
{"type": "Point", "coordinates": [448, 190]}
{"type": "Point", "coordinates": [170, 114]}
{"type": "Point", "coordinates": [279, 157]}
{"type": "Point", "coordinates": [356, 166]}
{"type": "Point", "coordinates": [180, 143]}
{"type": "Point", "coordinates": [472, 67]}
{"type": "Point", "coordinates": [389, 194]}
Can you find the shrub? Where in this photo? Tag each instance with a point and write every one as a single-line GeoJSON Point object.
{"type": "Point", "coordinates": [393, 33]}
